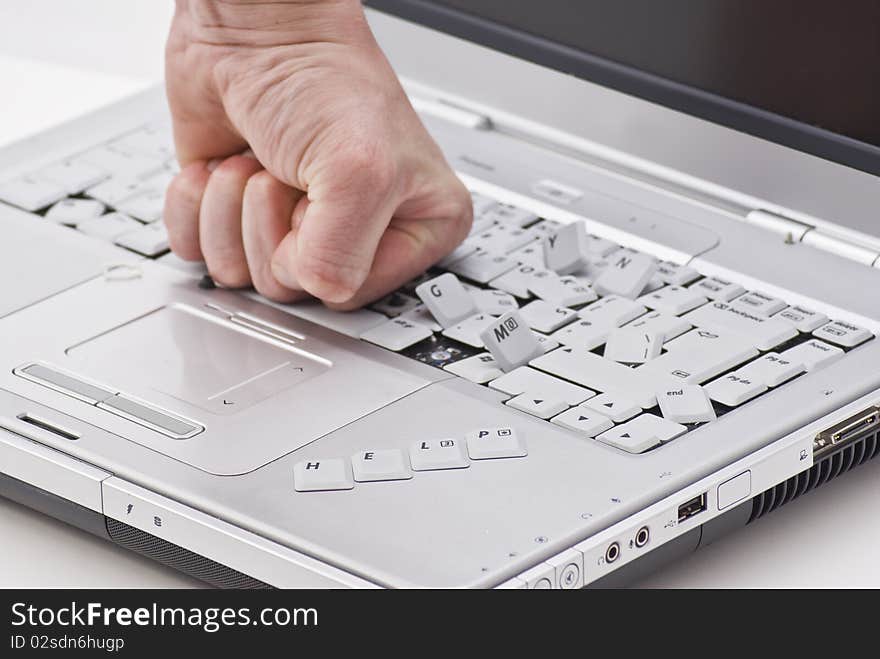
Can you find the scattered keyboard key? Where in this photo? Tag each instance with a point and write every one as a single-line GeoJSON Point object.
{"type": "Point", "coordinates": [71, 212]}
{"type": "Point", "coordinates": [380, 465]}
{"type": "Point", "coordinates": [612, 310]}
{"type": "Point", "coordinates": [320, 475]}
{"type": "Point", "coordinates": [630, 345]}
{"type": "Point", "coordinates": [771, 369]}
{"type": "Point", "coordinates": [696, 357]}
{"type": "Point", "coordinates": [565, 291]}
{"type": "Point", "coordinates": [462, 251]}
{"type": "Point", "coordinates": [843, 334]}
{"type": "Point", "coordinates": [447, 300]}
{"type": "Point", "coordinates": [687, 403]}
{"type": "Point", "coordinates": [494, 303]}
{"type": "Point", "coordinates": [396, 334]}
{"type": "Point", "coordinates": [584, 421]}
{"type": "Point", "coordinates": [532, 254]}
{"type": "Point", "coordinates": [718, 289]}
{"type": "Point", "coordinates": [395, 304]}
{"type": "Point", "coordinates": [494, 443]}
{"type": "Point", "coordinates": [733, 389]}
{"type": "Point", "coordinates": [813, 354]}
{"type": "Point", "coordinates": [566, 250]}
{"type": "Point", "coordinates": [421, 315]}
{"type": "Point", "coordinates": [669, 327]}
{"type": "Point", "coordinates": [482, 266]}
{"type": "Point", "coordinates": [517, 281]}
{"type": "Point", "coordinates": [511, 342]}
{"type": "Point", "coordinates": [438, 454]}
{"type": "Point", "coordinates": [627, 274]}
{"type": "Point", "coordinates": [536, 405]}
{"type": "Point", "coordinates": [804, 320]}
{"type": "Point", "coordinates": [677, 275]}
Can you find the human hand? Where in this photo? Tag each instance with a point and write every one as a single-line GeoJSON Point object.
{"type": "Point", "coordinates": [341, 194]}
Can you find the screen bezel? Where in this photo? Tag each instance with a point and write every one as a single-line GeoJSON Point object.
{"type": "Point", "coordinates": [629, 80]}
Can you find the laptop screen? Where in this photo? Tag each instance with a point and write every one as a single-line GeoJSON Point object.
{"type": "Point", "coordinates": [804, 73]}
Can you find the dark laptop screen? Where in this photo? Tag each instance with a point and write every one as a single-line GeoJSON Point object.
{"type": "Point", "coordinates": [805, 73]}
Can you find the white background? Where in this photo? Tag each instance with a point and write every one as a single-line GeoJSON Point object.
{"type": "Point", "coordinates": [60, 58]}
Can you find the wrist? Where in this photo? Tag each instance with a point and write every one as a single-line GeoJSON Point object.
{"type": "Point", "coordinates": [255, 23]}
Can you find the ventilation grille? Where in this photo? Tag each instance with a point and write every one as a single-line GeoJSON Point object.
{"type": "Point", "coordinates": [179, 558]}
{"type": "Point", "coordinates": [826, 469]}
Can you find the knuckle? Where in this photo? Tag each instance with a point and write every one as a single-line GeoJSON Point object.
{"type": "Point", "coordinates": [235, 168]}
{"type": "Point", "coordinates": [329, 275]}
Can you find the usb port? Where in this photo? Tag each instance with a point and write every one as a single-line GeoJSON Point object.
{"type": "Point", "coordinates": [693, 507]}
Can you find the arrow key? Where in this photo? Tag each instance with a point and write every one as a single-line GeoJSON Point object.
{"type": "Point", "coordinates": [642, 433]}
{"type": "Point", "coordinates": [615, 407]}
{"type": "Point", "coordinates": [584, 421]}
{"type": "Point", "coordinates": [537, 405]}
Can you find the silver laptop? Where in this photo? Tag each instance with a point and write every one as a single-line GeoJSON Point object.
{"type": "Point", "coordinates": [672, 302]}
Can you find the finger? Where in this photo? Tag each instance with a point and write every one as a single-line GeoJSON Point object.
{"type": "Point", "coordinates": [424, 231]}
{"type": "Point", "coordinates": [266, 219]}
{"type": "Point", "coordinates": [220, 221]}
{"type": "Point", "coordinates": [181, 213]}
{"type": "Point", "coordinates": [349, 206]}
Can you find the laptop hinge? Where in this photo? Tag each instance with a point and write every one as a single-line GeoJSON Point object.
{"type": "Point", "coordinates": [792, 230]}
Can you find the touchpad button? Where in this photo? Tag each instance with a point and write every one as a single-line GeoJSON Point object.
{"type": "Point", "coordinates": [186, 354]}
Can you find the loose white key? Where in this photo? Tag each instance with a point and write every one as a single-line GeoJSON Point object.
{"type": "Point", "coordinates": [667, 326]}
{"type": "Point", "coordinates": [494, 303]}
{"type": "Point", "coordinates": [813, 354]}
{"type": "Point", "coordinates": [584, 421]}
{"type": "Point", "coordinates": [762, 332]}
{"type": "Point", "coordinates": [438, 454]}
{"type": "Point", "coordinates": [531, 254]}
{"type": "Point", "coordinates": [626, 275]}
{"type": "Point", "coordinates": [321, 475]}
{"type": "Point", "coordinates": [421, 315]}
{"type": "Point", "coordinates": [616, 407]}
{"type": "Point", "coordinates": [673, 300]}
{"type": "Point", "coordinates": [760, 303]}
{"type": "Point", "coordinates": [396, 334]}
{"type": "Point", "coordinates": [696, 357]}
{"type": "Point", "coordinates": [71, 212]}
{"type": "Point", "coordinates": [31, 193]}
{"type": "Point", "coordinates": [537, 405]}
{"type": "Point", "coordinates": [565, 291]}
{"type": "Point", "coordinates": [511, 342]}
{"type": "Point", "coordinates": [468, 331]}
{"type": "Point", "coordinates": [482, 266]}
{"type": "Point", "coordinates": [494, 443]}
{"type": "Point", "coordinates": [687, 403]}
{"type": "Point", "coordinates": [517, 281]}
{"type": "Point", "coordinates": [715, 288]}
{"type": "Point", "coordinates": [480, 368]}
{"type": "Point", "coordinates": [583, 334]}
{"type": "Point", "coordinates": [545, 317]}
{"type": "Point", "coordinates": [679, 275]}
{"type": "Point", "coordinates": [843, 334]}
{"type": "Point", "coordinates": [448, 301]}
{"type": "Point", "coordinates": [733, 389]}
{"type": "Point", "coordinates": [642, 433]}
{"type": "Point", "coordinates": [109, 226]}
{"type": "Point", "coordinates": [771, 369]}
{"type": "Point", "coordinates": [371, 466]}
{"type": "Point", "coordinates": [804, 319]}
{"type": "Point", "coordinates": [528, 380]}
{"type": "Point", "coordinates": [567, 250]}
{"type": "Point", "coordinates": [456, 255]}
{"type": "Point", "coordinates": [631, 345]}
{"type": "Point", "coordinates": [150, 240]}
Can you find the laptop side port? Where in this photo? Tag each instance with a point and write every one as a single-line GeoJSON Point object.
{"type": "Point", "coordinates": [692, 507]}
{"type": "Point", "coordinates": [846, 431]}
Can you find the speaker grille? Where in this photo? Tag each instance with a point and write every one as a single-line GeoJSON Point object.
{"type": "Point", "coordinates": [828, 468]}
{"type": "Point", "coordinates": [186, 561]}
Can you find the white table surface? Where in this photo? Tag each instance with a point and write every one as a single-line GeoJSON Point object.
{"type": "Point", "coordinates": [59, 59]}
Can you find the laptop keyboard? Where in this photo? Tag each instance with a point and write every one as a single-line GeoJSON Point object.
{"type": "Point", "coordinates": [607, 342]}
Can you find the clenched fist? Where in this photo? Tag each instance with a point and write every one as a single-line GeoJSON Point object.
{"type": "Point", "coordinates": [304, 169]}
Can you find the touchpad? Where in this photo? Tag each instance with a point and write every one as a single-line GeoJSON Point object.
{"type": "Point", "coordinates": [193, 357]}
